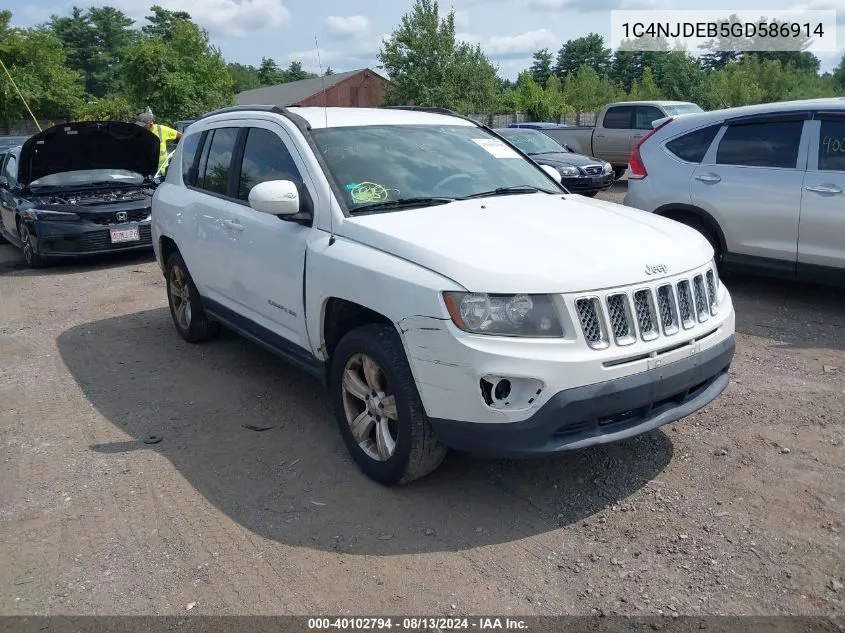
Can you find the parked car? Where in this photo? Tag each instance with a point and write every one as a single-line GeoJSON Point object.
{"type": "Point", "coordinates": [439, 284]}
{"type": "Point", "coordinates": [80, 188]}
{"type": "Point", "coordinates": [580, 174]}
{"type": "Point", "coordinates": [763, 183]}
{"type": "Point", "coordinates": [620, 126]}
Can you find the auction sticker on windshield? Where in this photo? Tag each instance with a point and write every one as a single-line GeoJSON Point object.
{"type": "Point", "coordinates": [496, 148]}
{"type": "Point", "coordinates": [125, 235]}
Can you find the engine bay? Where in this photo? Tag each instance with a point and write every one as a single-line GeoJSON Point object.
{"type": "Point", "coordinates": [90, 198]}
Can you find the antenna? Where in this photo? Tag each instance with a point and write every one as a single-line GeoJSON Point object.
{"type": "Point", "coordinates": [323, 79]}
{"type": "Point", "coordinates": [326, 115]}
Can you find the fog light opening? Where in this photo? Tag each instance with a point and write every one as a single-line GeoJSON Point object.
{"type": "Point", "coordinates": [502, 389]}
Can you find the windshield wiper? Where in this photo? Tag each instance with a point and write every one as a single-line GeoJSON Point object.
{"type": "Point", "coordinates": [505, 191]}
{"type": "Point", "coordinates": [403, 203]}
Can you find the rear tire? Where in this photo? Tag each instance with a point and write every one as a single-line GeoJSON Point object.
{"type": "Point", "coordinates": [185, 303]}
{"type": "Point", "coordinates": [378, 408]}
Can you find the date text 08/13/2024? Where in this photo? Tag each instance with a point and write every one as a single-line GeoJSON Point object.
{"type": "Point", "coordinates": [414, 623]}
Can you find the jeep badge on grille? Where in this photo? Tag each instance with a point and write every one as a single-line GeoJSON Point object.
{"type": "Point", "coordinates": [659, 268]}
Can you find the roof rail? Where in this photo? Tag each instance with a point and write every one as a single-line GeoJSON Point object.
{"type": "Point", "coordinates": [247, 108]}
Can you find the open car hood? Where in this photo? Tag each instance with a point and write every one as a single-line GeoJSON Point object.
{"type": "Point", "coordinates": [89, 145]}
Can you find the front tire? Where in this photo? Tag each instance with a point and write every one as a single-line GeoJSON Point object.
{"type": "Point", "coordinates": [378, 408]}
{"type": "Point", "coordinates": [189, 317]}
{"type": "Point", "coordinates": [33, 259]}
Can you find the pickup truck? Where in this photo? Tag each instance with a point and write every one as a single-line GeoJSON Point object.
{"type": "Point", "coordinates": [619, 126]}
{"type": "Point", "coordinates": [445, 288]}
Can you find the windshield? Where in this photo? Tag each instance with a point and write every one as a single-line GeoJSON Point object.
{"type": "Point", "coordinates": [377, 164]}
{"type": "Point", "coordinates": [89, 176]}
{"type": "Point", "coordinates": [675, 110]}
{"type": "Point", "coordinates": [532, 142]}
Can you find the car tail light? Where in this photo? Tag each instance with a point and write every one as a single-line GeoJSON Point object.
{"type": "Point", "coordinates": [636, 168]}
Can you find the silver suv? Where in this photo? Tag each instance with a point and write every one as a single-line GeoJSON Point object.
{"type": "Point", "coordinates": [763, 183]}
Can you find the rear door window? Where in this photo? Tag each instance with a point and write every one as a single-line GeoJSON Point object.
{"type": "Point", "coordinates": [619, 118]}
{"type": "Point", "coordinates": [645, 116]}
{"type": "Point", "coordinates": [765, 144]}
{"type": "Point", "coordinates": [832, 146]}
{"type": "Point", "coordinates": [215, 177]}
{"type": "Point", "coordinates": [693, 146]}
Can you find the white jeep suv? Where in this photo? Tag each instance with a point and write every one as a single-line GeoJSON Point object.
{"type": "Point", "coordinates": [448, 291]}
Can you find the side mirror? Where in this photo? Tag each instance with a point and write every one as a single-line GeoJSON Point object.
{"type": "Point", "coordinates": [275, 197]}
{"type": "Point", "coordinates": [554, 173]}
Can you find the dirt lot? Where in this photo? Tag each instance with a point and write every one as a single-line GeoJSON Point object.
{"type": "Point", "coordinates": [739, 509]}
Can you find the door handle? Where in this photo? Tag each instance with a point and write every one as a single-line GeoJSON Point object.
{"type": "Point", "coordinates": [708, 178]}
{"type": "Point", "coordinates": [234, 225]}
{"type": "Point", "coordinates": [823, 188]}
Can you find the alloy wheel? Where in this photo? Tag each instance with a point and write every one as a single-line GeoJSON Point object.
{"type": "Point", "coordinates": [180, 297]}
{"type": "Point", "coordinates": [370, 407]}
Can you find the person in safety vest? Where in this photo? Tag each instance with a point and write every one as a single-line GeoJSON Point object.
{"type": "Point", "coordinates": [164, 133]}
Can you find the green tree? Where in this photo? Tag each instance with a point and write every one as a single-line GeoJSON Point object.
{"type": "Point", "coordinates": [93, 42]}
{"type": "Point", "coordinates": [329, 71]}
{"type": "Point", "coordinates": [583, 51]}
{"type": "Point", "coordinates": [722, 50]}
{"type": "Point", "coordinates": [646, 89]}
{"type": "Point", "coordinates": [838, 75]}
{"type": "Point", "coordinates": [269, 73]}
{"type": "Point", "coordinates": [108, 109]}
{"type": "Point", "coordinates": [36, 60]}
{"type": "Point", "coordinates": [163, 22]}
{"type": "Point", "coordinates": [531, 99]}
{"type": "Point", "coordinates": [476, 79]}
{"type": "Point", "coordinates": [682, 78]}
{"type": "Point", "coordinates": [736, 85]}
{"type": "Point", "coordinates": [295, 72]}
{"type": "Point", "coordinates": [428, 67]}
{"type": "Point", "coordinates": [586, 91]}
{"type": "Point", "coordinates": [635, 55]}
{"type": "Point", "coordinates": [244, 77]}
{"type": "Point", "coordinates": [541, 69]}
{"type": "Point", "coordinates": [179, 78]}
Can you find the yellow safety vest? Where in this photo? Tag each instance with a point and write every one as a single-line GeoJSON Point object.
{"type": "Point", "coordinates": [164, 134]}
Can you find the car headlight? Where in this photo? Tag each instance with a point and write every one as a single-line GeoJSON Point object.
{"type": "Point", "coordinates": [60, 216]}
{"type": "Point", "coordinates": [504, 315]}
{"type": "Point", "coordinates": [569, 170]}
{"type": "Point", "coordinates": [608, 168]}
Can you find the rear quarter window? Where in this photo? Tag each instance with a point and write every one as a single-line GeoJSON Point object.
{"type": "Point", "coordinates": [693, 146]}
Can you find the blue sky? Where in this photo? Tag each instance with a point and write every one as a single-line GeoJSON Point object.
{"type": "Point", "coordinates": [350, 32]}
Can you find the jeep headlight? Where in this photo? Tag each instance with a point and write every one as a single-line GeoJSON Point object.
{"type": "Point", "coordinates": [504, 315]}
{"type": "Point", "coordinates": [568, 170]}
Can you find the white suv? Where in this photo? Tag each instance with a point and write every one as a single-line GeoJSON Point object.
{"type": "Point", "coordinates": [447, 290]}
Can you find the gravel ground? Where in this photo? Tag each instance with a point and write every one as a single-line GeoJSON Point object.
{"type": "Point", "coordinates": [735, 510]}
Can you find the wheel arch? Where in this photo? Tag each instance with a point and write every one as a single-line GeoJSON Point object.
{"type": "Point", "coordinates": [680, 212]}
{"type": "Point", "coordinates": [341, 316]}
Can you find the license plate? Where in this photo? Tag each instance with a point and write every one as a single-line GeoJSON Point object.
{"type": "Point", "coordinates": [125, 235]}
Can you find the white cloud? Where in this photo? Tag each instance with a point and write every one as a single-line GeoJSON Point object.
{"type": "Point", "coordinates": [222, 18]}
{"type": "Point", "coordinates": [347, 27]}
{"type": "Point", "coordinates": [461, 19]}
{"type": "Point", "coordinates": [510, 46]}
{"type": "Point", "coordinates": [821, 5]}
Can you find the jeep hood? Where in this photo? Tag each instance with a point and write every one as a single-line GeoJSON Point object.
{"type": "Point", "coordinates": [86, 145]}
{"type": "Point", "coordinates": [534, 243]}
